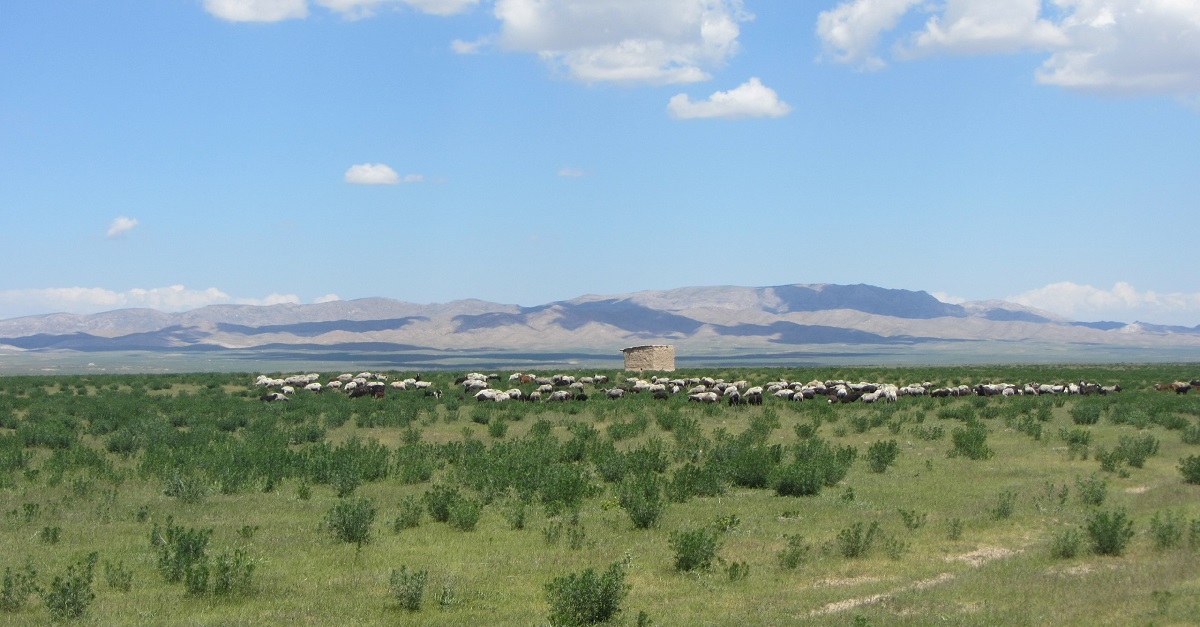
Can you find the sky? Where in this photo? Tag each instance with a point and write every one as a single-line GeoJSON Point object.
{"type": "Point", "coordinates": [179, 153]}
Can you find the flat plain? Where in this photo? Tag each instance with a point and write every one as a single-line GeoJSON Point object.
{"type": "Point", "coordinates": [969, 510]}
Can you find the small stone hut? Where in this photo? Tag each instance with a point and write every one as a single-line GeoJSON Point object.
{"type": "Point", "coordinates": [659, 357]}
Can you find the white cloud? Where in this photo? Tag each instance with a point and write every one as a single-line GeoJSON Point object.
{"type": "Point", "coordinates": [665, 41]}
{"type": "Point", "coordinates": [414, 178]}
{"type": "Point", "coordinates": [1131, 46]}
{"type": "Point", "coordinates": [1123, 302]}
{"type": "Point", "coordinates": [751, 99]}
{"type": "Point", "coordinates": [328, 298]}
{"type": "Point", "coordinates": [120, 226]}
{"type": "Point", "coordinates": [947, 298]}
{"type": "Point", "coordinates": [569, 172]}
{"type": "Point", "coordinates": [1128, 46]}
{"type": "Point", "coordinates": [257, 10]}
{"type": "Point", "coordinates": [850, 31]}
{"type": "Point", "coordinates": [86, 300]}
{"type": "Point", "coordinates": [468, 47]}
{"type": "Point", "coordinates": [371, 174]}
{"type": "Point", "coordinates": [279, 10]}
{"type": "Point", "coordinates": [977, 26]}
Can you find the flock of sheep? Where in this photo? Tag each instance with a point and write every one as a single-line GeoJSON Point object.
{"type": "Point", "coordinates": [563, 387]}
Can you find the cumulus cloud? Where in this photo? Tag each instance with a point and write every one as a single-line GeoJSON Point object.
{"type": "Point", "coordinates": [328, 298]}
{"type": "Point", "coordinates": [972, 26]}
{"type": "Point", "coordinates": [371, 174]}
{"type": "Point", "coordinates": [257, 10]}
{"type": "Point", "coordinates": [87, 300]}
{"type": "Point", "coordinates": [120, 226]}
{"type": "Point", "coordinates": [751, 99]}
{"type": "Point", "coordinates": [279, 10]}
{"type": "Point", "coordinates": [1123, 302]}
{"type": "Point", "coordinates": [1130, 46]}
{"type": "Point", "coordinates": [850, 32]}
{"type": "Point", "coordinates": [665, 41]}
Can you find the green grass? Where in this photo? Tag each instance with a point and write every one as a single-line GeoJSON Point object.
{"type": "Point", "coordinates": [1001, 570]}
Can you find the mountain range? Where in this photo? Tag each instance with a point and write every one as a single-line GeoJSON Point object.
{"type": "Point", "coordinates": [714, 321]}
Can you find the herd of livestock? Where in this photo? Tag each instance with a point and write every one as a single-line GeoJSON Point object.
{"type": "Point", "coordinates": [562, 387]}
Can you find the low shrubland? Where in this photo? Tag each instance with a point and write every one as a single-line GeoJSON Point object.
{"type": "Point", "coordinates": [185, 498]}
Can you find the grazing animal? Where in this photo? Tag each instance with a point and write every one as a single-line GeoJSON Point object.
{"type": "Point", "coordinates": [273, 396]}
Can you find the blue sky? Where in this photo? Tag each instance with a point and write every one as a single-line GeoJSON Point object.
{"type": "Point", "coordinates": [179, 153]}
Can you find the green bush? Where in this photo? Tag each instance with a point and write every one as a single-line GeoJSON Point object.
{"type": "Point", "coordinates": [1092, 490]}
{"type": "Point", "coordinates": [1085, 413]}
{"type": "Point", "coordinates": [855, 540]}
{"type": "Point", "coordinates": [1135, 450]}
{"type": "Point", "coordinates": [1005, 504]}
{"type": "Point", "coordinates": [233, 574]}
{"type": "Point", "coordinates": [408, 588]}
{"type": "Point", "coordinates": [1109, 532]}
{"type": "Point", "coordinates": [641, 497]}
{"type": "Point", "coordinates": [1189, 467]}
{"type": "Point", "coordinates": [179, 549]}
{"type": "Point", "coordinates": [928, 433]}
{"type": "Point", "coordinates": [587, 598]}
{"type": "Point", "coordinates": [117, 576]}
{"type": "Point", "coordinates": [1065, 545]}
{"type": "Point", "coordinates": [350, 521]}
{"type": "Point", "coordinates": [694, 549]}
{"type": "Point", "coordinates": [912, 520]}
{"type": "Point", "coordinates": [1166, 530]}
{"type": "Point", "coordinates": [69, 595]}
{"type": "Point", "coordinates": [438, 501]}
{"type": "Point", "coordinates": [465, 513]}
{"type": "Point", "coordinates": [16, 588]}
{"type": "Point", "coordinates": [970, 441]}
{"type": "Point", "coordinates": [410, 514]}
{"type": "Point", "coordinates": [882, 454]}
{"type": "Point", "coordinates": [794, 553]}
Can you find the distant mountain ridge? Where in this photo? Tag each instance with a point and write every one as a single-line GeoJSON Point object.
{"type": "Point", "coordinates": [719, 319]}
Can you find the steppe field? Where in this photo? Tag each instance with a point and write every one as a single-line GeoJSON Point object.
{"type": "Point", "coordinates": [184, 499]}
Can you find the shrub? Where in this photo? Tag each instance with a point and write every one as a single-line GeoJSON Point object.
{"type": "Point", "coordinates": [350, 521]}
{"type": "Point", "coordinates": [187, 488]}
{"type": "Point", "coordinates": [1005, 504]}
{"type": "Point", "coordinates": [117, 576]}
{"type": "Point", "coordinates": [881, 455]}
{"type": "Point", "coordinates": [1085, 413]}
{"type": "Point", "coordinates": [1191, 434]}
{"type": "Point", "coordinates": [1189, 467]}
{"type": "Point", "coordinates": [912, 520]}
{"type": "Point", "coordinates": [642, 498]}
{"type": "Point", "coordinates": [233, 573]}
{"type": "Point", "coordinates": [694, 549]}
{"type": "Point", "coordinates": [179, 549]}
{"type": "Point", "coordinates": [854, 541]}
{"type": "Point", "coordinates": [410, 514]}
{"type": "Point", "coordinates": [465, 513]}
{"type": "Point", "coordinates": [438, 501]}
{"type": "Point", "coordinates": [1135, 450]}
{"type": "Point", "coordinates": [954, 529]}
{"type": "Point", "coordinates": [17, 587]}
{"type": "Point", "coordinates": [970, 441]}
{"type": "Point", "coordinates": [1092, 490]}
{"type": "Point", "coordinates": [408, 588]}
{"type": "Point", "coordinates": [794, 553]}
{"type": "Point", "coordinates": [1109, 532]}
{"type": "Point", "coordinates": [69, 596]}
{"type": "Point", "coordinates": [1167, 530]}
{"type": "Point", "coordinates": [587, 598]}
{"type": "Point", "coordinates": [1065, 545]}
{"type": "Point", "coordinates": [929, 433]}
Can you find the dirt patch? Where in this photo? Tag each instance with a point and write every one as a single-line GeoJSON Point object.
{"type": "Point", "coordinates": [847, 581]}
{"type": "Point", "coordinates": [981, 556]}
{"type": "Point", "coordinates": [1140, 489]}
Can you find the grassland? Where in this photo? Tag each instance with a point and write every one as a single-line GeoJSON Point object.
{"type": "Point", "coordinates": [104, 463]}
